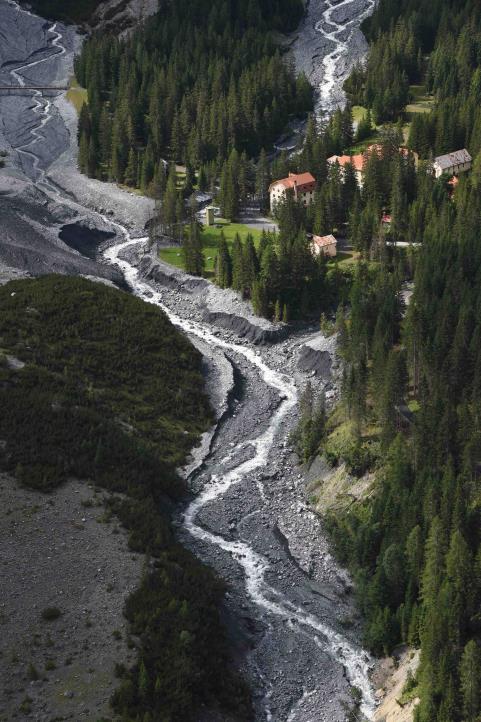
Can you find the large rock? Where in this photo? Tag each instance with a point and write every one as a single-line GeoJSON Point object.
{"type": "Point", "coordinates": [122, 15]}
{"type": "Point", "coordinates": [244, 328]}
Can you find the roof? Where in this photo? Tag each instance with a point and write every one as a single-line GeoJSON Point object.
{"type": "Point", "coordinates": [379, 149]}
{"type": "Point", "coordinates": [457, 158]}
{"type": "Point", "coordinates": [323, 241]}
{"type": "Point", "coordinates": [356, 160]}
{"type": "Point", "coordinates": [295, 179]}
{"type": "Point", "coordinates": [359, 160]}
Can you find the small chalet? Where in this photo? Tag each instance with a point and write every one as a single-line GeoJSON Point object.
{"type": "Point", "coordinates": [452, 185]}
{"type": "Point", "coordinates": [452, 163]}
{"type": "Point", "coordinates": [303, 186]}
{"type": "Point", "coordinates": [324, 245]}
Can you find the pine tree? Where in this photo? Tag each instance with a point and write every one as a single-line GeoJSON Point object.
{"type": "Point", "coordinates": [130, 176]}
{"type": "Point", "coordinates": [263, 179]}
{"type": "Point", "coordinates": [223, 264]}
{"type": "Point", "coordinates": [143, 681]}
{"type": "Point", "coordinates": [250, 266]}
{"type": "Point", "coordinates": [169, 203]}
{"type": "Point", "coordinates": [237, 264]}
{"type": "Point", "coordinates": [470, 676]}
{"type": "Point", "coordinates": [278, 311]}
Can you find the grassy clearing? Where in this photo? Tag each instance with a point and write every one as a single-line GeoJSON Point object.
{"type": "Point", "coordinates": [76, 95]}
{"type": "Point", "coordinates": [422, 101]}
{"type": "Point", "coordinates": [358, 113]}
{"type": "Point", "coordinates": [344, 258]}
{"type": "Point", "coordinates": [361, 147]}
{"type": "Point", "coordinates": [210, 238]}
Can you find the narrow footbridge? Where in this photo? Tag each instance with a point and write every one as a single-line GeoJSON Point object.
{"type": "Point", "coordinates": [42, 89]}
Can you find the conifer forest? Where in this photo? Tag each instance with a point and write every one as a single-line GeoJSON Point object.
{"type": "Point", "coordinates": [315, 354]}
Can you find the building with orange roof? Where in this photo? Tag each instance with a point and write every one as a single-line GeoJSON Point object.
{"type": "Point", "coordinates": [359, 160]}
{"type": "Point", "coordinates": [303, 185]}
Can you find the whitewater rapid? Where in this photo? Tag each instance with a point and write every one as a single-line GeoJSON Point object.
{"type": "Point", "coordinates": [331, 62]}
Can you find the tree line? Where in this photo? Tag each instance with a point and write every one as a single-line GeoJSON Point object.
{"type": "Point", "coordinates": [415, 546]}
{"type": "Point", "coordinates": [197, 80]}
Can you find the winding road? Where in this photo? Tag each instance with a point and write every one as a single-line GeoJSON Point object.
{"type": "Point", "coordinates": [302, 654]}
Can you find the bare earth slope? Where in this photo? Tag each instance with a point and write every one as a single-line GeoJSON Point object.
{"type": "Point", "coordinates": [59, 551]}
{"type": "Point", "coordinates": [34, 133]}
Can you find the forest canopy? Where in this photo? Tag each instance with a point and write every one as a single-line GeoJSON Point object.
{"type": "Point", "coordinates": [412, 382]}
{"type": "Point", "coordinates": [198, 80]}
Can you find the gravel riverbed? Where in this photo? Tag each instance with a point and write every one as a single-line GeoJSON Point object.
{"type": "Point", "coordinates": [288, 603]}
{"type": "Point", "coordinates": [295, 623]}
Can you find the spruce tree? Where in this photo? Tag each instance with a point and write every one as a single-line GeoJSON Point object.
{"type": "Point", "coordinates": [223, 264]}
{"type": "Point", "coordinates": [470, 677]}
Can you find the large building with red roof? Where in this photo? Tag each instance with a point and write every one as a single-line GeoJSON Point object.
{"type": "Point", "coordinates": [359, 161]}
{"type": "Point", "coordinates": [303, 185]}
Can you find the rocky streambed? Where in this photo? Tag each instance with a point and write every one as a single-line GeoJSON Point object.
{"type": "Point", "coordinates": [327, 45]}
{"type": "Point", "coordinates": [288, 603]}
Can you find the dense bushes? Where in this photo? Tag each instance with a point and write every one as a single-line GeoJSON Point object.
{"type": "Point", "coordinates": [112, 392]}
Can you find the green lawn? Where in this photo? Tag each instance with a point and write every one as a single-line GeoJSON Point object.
{"type": "Point", "coordinates": [210, 238]}
{"type": "Point", "coordinates": [76, 95]}
{"type": "Point", "coordinates": [422, 101]}
{"type": "Point", "coordinates": [361, 147]}
{"type": "Point", "coordinates": [344, 258]}
{"type": "Point", "coordinates": [358, 113]}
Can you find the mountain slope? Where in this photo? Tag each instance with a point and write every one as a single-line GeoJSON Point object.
{"type": "Point", "coordinates": [98, 385]}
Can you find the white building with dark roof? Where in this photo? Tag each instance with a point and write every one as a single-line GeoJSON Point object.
{"type": "Point", "coordinates": [453, 163]}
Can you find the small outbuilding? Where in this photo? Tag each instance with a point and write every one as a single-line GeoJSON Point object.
{"type": "Point", "coordinates": [324, 245]}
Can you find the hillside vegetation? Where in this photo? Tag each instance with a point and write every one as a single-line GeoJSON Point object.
{"type": "Point", "coordinates": [415, 544]}
{"type": "Point", "coordinates": [98, 385]}
{"type": "Point", "coordinates": [197, 81]}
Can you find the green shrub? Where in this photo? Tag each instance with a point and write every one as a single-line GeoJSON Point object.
{"type": "Point", "coordinates": [49, 614]}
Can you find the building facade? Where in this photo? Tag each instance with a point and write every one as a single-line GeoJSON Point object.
{"type": "Point", "coordinates": [452, 163]}
{"type": "Point", "coordinates": [324, 245]}
{"type": "Point", "coordinates": [303, 185]}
